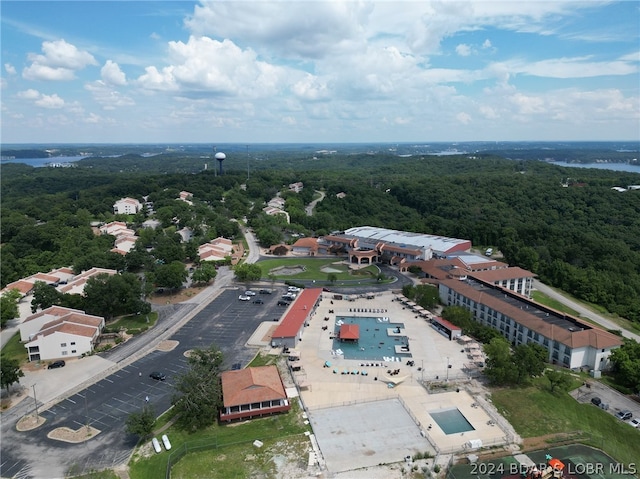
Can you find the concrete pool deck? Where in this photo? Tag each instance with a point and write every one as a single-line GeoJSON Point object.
{"type": "Point", "coordinates": [321, 388]}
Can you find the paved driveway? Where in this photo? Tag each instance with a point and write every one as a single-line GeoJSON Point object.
{"type": "Point", "coordinates": [226, 322]}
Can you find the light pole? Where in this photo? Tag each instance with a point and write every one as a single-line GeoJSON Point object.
{"type": "Point", "coordinates": [448, 366]}
{"type": "Point", "coordinates": [35, 401]}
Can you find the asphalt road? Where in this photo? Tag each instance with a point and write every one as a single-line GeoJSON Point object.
{"type": "Point", "coordinates": [581, 309]}
{"type": "Point", "coordinates": [225, 322]}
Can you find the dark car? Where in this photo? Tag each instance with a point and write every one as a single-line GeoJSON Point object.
{"type": "Point", "coordinates": [56, 365]}
{"type": "Point", "coordinates": [258, 301]}
{"type": "Point", "coordinates": [158, 376]}
{"type": "Point", "coordinates": [265, 291]}
{"type": "Point", "coordinates": [596, 401]}
{"type": "Point", "coordinates": [283, 303]}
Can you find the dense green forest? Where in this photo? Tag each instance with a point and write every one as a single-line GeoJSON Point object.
{"type": "Point", "coordinates": [582, 237]}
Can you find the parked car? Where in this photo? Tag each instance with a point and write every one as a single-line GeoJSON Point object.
{"type": "Point", "coordinates": [244, 297]}
{"type": "Point", "coordinates": [624, 415]}
{"type": "Point", "coordinates": [596, 401]}
{"type": "Point", "coordinates": [282, 302]}
{"type": "Point", "coordinates": [158, 376]}
{"type": "Point", "coordinates": [258, 301]}
{"type": "Point", "coordinates": [635, 422]}
{"type": "Point", "coordinates": [56, 364]}
{"type": "Point", "coordinates": [249, 293]}
{"type": "Point", "coordinates": [265, 291]}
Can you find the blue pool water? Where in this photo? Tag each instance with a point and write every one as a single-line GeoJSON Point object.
{"type": "Point", "coordinates": [378, 339]}
{"type": "Point", "coordinates": [451, 421]}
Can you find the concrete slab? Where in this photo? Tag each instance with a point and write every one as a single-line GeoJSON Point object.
{"type": "Point", "coordinates": [366, 434]}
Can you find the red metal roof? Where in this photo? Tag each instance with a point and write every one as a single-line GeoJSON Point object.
{"type": "Point", "coordinates": [297, 314]}
{"type": "Point", "coordinates": [447, 324]}
{"type": "Point", "coordinates": [349, 331]}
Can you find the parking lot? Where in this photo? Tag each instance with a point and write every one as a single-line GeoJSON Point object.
{"type": "Point", "coordinates": [225, 322]}
{"type": "Point", "coordinates": [611, 400]}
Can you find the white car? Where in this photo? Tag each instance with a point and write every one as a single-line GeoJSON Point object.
{"type": "Point", "coordinates": [244, 297]}
{"type": "Point", "coordinates": [249, 293]}
{"type": "Point", "coordinates": [293, 289]}
{"type": "Point", "coordinates": [635, 422]}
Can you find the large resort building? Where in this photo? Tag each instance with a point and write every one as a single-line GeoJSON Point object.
{"type": "Point", "coordinates": [571, 343]}
{"type": "Point", "coordinates": [367, 245]}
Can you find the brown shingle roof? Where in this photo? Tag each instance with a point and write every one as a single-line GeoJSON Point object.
{"type": "Point", "coordinates": [311, 243]}
{"type": "Point", "coordinates": [251, 385]}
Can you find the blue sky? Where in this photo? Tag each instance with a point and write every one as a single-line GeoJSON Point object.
{"type": "Point", "coordinates": [319, 71]}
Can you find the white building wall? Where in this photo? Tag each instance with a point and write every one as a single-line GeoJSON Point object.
{"type": "Point", "coordinates": [28, 329]}
{"type": "Point", "coordinates": [61, 346]}
{"type": "Point", "coordinates": [559, 354]}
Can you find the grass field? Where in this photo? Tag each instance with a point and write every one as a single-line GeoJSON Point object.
{"type": "Point", "coordinates": [534, 411]}
{"type": "Point", "coordinates": [14, 349]}
{"type": "Point", "coordinates": [552, 303]}
{"type": "Point", "coordinates": [134, 324]}
{"type": "Point", "coordinates": [317, 269]}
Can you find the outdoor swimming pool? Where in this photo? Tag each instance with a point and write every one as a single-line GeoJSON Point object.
{"type": "Point", "coordinates": [379, 340]}
{"type": "Point", "coordinates": [451, 420]}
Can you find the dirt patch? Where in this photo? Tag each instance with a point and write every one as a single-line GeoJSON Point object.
{"type": "Point", "coordinates": [167, 345]}
{"type": "Point", "coordinates": [66, 434]}
{"type": "Point", "coordinates": [178, 297]}
{"type": "Point", "coordinates": [30, 422]}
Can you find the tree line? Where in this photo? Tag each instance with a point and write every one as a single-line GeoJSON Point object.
{"type": "Point", "coordinates": [584, 239]}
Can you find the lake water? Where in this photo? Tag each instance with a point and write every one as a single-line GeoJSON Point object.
{"type": "Point", "coordinates": [601, 166]}
{"type": "Point", "coordinates": [39, 162]}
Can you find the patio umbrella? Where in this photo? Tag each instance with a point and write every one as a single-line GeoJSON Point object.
{"type": "Point", "coordinates": [556, 464]}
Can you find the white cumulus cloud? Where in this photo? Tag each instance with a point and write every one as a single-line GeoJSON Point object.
{"type": "Point", "coordinates": [59, 61]}
{"type": "Point", "coordinates": [50, 101]}
{"type": "Point", "coordinates": [112, 74]}
{"type": "Point", "coordinates": [203, 66]}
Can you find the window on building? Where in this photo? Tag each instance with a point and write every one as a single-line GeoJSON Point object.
{"type": "Point", "coordinates": [63, 345]}
{"type": "Point", "coordinates": [72, 343]}
{"type": "Point", "coordinates": [64, 353]}
{"type": "Point", "coordinates": [74, 351]}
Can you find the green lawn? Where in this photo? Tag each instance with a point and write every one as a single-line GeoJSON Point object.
{"type": "Point", "coordinates": [135, 323]}
{"type": "Point", "coordinates": [552, 303]}
{"type": "Point", "coordinates": [14, 349]}
{"type": "Point", "coordinates": [220, 451]}
{"type": "Point", "coordinates": [534, 411]}
{"type": "Point", "coordinates": [317, 269]}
